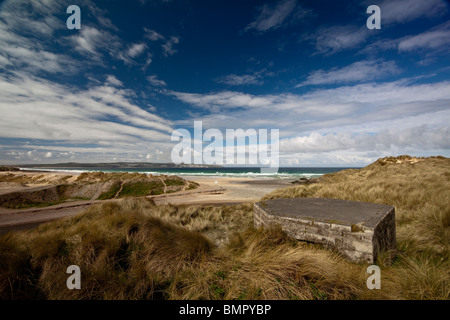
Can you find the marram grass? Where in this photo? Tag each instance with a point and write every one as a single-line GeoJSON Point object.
{"type": "Point", "coordinates": [132, 249]}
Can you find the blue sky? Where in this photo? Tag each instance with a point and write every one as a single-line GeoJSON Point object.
{"type": "Point", "coordinates": [115, 90]}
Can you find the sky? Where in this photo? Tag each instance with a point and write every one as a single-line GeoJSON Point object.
{"type": "Point", "coordinates": [339, 93]}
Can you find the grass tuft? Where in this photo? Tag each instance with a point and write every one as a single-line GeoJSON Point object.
{"type": "Point", "coordinates": [133, 249]}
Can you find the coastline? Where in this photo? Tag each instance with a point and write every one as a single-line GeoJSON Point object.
{"type": "Point", "coordinates": [235, 189]}
{"type": "Point", "coordinates": [212, 191]}
{"type": "Point", "coordinates": [208, 239]}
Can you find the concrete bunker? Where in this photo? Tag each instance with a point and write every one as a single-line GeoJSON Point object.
{"type": "Point", "coordinates": [358, 230]}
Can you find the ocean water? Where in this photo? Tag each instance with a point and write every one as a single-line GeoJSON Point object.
{"type": "Point", "coordinates": [231, 172]}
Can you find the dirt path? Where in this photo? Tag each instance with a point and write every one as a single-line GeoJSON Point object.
{"type": "Point", "coordinates": [165, 185]}
{"type": "Point", "coordinates": [186, 185]}
{"type": "Point", "coordinates": [120, 190]}
{"type": "Point", "coordinates": [210, 191]}
{"type": "Point", "coordinates": [16, 219]}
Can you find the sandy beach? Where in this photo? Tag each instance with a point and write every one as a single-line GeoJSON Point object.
{"type": "Point", "coordinates": [211, 191]}
{"type": "Point", "coordinates": [229, 190]}
{"type": "Point", "coordinates": [214, 189]}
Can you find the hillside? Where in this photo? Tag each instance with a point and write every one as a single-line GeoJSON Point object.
{"type": "Point", "coordinates": [24, 189]}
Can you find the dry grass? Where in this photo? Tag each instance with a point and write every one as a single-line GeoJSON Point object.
{"type": "Point", "coordinates": [419, 190]}
{"type": "Point", "coordinates": [260, 264]}
{"type": "Point", "coordinates": [123, 254]}
{"type": "Point", "coordinates": [34, 178]}
{"type": "Point", "coordinates": [133, 249]}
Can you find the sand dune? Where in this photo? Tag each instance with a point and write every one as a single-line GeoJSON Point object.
{"type": "Point", "coordinates": [211, 191]}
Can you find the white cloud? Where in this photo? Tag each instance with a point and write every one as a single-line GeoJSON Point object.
{"type": "Point", "coordinates": [380, 45]}
{"type": "Point", "coordinates": [435, 39]}
{"type": "Point", "coordinates": [361, 71]}
{"type": "Point", "coordinates": [228, 101]}
{"type": "Point", "coordinates": [416, 137]}
{"type": "Point", "coordinates": [100, 14]}
{"type": "Point", "coordinates": [90, 40]}
{"type": "Point", "coordinates": [148, 60]}
{"type": "Point", "coordinates": [272, 17]}
{"type": "Point", "coordinates": [237, 80]}
{"type": "Point", "coordinates": [90, 43]}
{"type": "Point", "coordinates": [25, 28]}
{"type": "Point", "coordinates": [136, 49]}
{"type": "Point", "coordinates": [345, 125]}
{"type": "Point", "coordinates": [112, 80]}
{"type": "Point", "coordinates": [337, 38]}
{"type": "Point", "coordinates": [154, 81]}
{"type": "Point", "coordinates": [48, 111]}
{"type": "Point", "coordinates": [401, 11]}
{"type": "Point", "coordinates": [329, 40]}
{"type": "Point", "coordinates": [168, 46]}
{"type": "Point", "coordinates": [132, 54]}
{"type": "Point", "coordinates": [152, 35]}
{"type": "Point", "coordinates": [25, 57]}
{"type": "Point", "coordinates": [104, 116]}
{"type": "Point", "coordinates": [36, 18]}
{"type": "Point", "coordinates": [254, 78]}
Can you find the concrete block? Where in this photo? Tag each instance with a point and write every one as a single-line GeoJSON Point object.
{"type": "Point", "coordinates": [358, 230]}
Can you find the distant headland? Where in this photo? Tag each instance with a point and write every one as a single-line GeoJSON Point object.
{"type": "Point", "coordinates": [114, 165]}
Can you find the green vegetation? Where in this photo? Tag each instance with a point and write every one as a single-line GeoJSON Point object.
{"type": "Point", "coordinates": [192, 185]}
{"type": "Point", "coordinates": [39, 199]}
{"type": "Point", "coordinates": [112, 191]}
{"type": "Point", "coordinates": [133, 249]}
{"type": "Point", "coordinates": [174, 182]}
{"type": "Point", "coordinates": [30, 204]}
{"type": "Point", "coordinates": [99, 176]}
{"type": "Point", "coordinates": [6, 168]}
{"type": "Point", "coordinates": [133, 184]}
{"type": "Point", "coordinates": [23, 177]}
{"type": "Point", "coordinates": [141, 188]}
{"type": "Point", "coordinates": [86, 186]}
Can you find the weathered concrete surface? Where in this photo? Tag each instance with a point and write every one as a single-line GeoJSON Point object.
{"type": "Point", "coordinates": [358, 230]}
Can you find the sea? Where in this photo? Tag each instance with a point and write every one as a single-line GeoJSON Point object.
{"type": "Point", "coordinates": [211, 172]}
